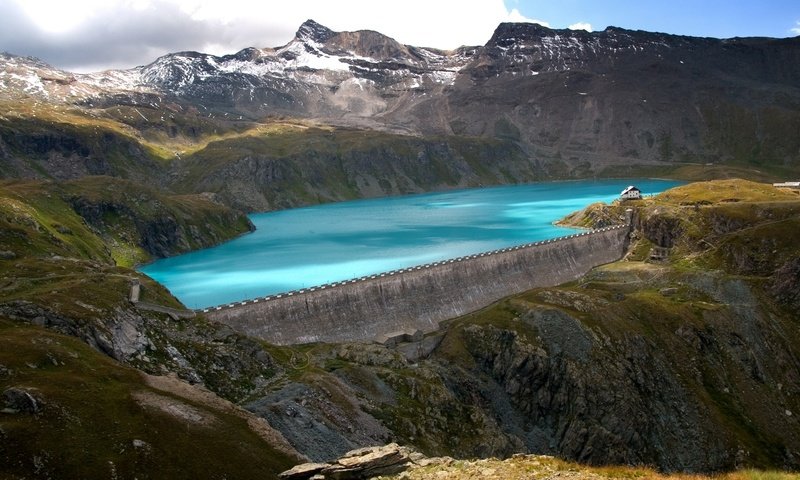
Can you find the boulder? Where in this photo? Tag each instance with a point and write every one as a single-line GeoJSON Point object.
{"type": "Point", "coordinates": [18, 400]}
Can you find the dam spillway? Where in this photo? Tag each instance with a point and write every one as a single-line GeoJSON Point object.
{"type": "Point", "coordinates": [419, 298]}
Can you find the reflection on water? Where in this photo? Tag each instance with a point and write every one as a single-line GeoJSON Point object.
{"type": "Point", "coordinates": [309, 246]}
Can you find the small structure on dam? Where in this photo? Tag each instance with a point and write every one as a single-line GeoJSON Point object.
{"type": "Point", "coordinates": [418, 298]}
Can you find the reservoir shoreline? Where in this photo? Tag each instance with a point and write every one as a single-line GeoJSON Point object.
{"type": "Point", "coordinates": [296, 249]}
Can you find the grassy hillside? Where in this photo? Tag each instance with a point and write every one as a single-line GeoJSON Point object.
{"type": "Point", "coordinates": [109, 220]}
{"type": "Point", "coordinates": [72, 412]}
{"type": "Point", "coordinates": [69, 246]}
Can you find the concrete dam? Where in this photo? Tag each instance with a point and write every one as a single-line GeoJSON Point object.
{"type": "Point", "coordinates": [415, 299]}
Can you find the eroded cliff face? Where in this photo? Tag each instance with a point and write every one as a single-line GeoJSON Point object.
{"type": "Point", "coordinates": [675, 390]}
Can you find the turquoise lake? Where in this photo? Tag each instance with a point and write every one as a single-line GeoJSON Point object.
{"type": "Point", "coordinates": [303, 247]}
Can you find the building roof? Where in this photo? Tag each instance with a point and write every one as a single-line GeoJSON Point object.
{"type": "Point", "coordinates": [630, 188]}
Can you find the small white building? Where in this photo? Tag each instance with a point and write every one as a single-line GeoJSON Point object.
{"type": "Point", "coordinates": [793, 185]}
{"type": "Point", "coordinates": [630, 193]}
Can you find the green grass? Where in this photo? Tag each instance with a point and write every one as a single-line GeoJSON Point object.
{"type": "Point", "coordinates": [741, 226]}
{"type": "Point", "coordinates": [695, 172]}
{"type": "Point", "coordinates": [725, 191]}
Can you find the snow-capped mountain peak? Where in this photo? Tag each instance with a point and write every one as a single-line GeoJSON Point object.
{"type": "Point", "coordinates": [313, 31]}
{"type": "Point", "coordinates": [369, 79]}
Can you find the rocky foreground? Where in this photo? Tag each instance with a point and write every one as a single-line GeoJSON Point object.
{"type": "Point", "coordinates": [395, 461]}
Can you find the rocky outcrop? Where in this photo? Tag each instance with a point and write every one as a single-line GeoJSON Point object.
{"type": "Point", "coordinates": [161, 225]}
{"type": "Point", "coordinates": [120, 337]}
{"type": "Point", "coordinates": [785, 285]}
{"type": "Point", "coordinates": [661, 228]}
{"type": "Point", "coordinates": [212, 355]}
{"type": "Point", "coordinates": [362, 463]}
{"type": "Point", "coordinates": [18, 400]}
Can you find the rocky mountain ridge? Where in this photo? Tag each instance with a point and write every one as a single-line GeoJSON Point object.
{"type": "Point", "coordinates": [582, 98]}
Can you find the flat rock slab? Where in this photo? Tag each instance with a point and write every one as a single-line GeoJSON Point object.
{"type": "Point", "coordinates": [303, 471]}
{"type": "Point", "coordinates": [356, 464]}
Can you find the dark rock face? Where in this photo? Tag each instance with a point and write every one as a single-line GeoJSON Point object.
{"type": "Point", "coordinates": [662, 230]}
{"type": "Point", "coordinates": [636, 96]}
{"type": "Point", "coordinates": [160, 236]}
{"type": "Point", "coordinates": [345, 165]}
{"type": "Point", "coordinates": [786, 284]}
{"type": "Point", "coordinates": [311, 30]}
{"type": "Point", "coordinates": [618, 408]}
{"type": "Point", "coordinates": [32, 149]}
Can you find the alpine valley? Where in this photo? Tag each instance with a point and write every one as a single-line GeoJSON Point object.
{"type": "Point", "coordinates": [686, 364]}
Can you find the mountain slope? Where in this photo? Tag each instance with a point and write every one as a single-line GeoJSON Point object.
{"type": "Point", "coordinates": [71, 412]}
{"type": "Point", "coordinates": [575, 102]}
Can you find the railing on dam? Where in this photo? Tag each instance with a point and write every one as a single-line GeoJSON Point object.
{"type": "Point", "coordinates": [416, 268]}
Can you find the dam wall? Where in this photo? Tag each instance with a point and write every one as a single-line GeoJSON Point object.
{"type": "Point", "coordinates": [417, 299]}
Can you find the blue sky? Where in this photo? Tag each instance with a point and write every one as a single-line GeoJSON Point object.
{"type": "Point", "coordinates": [87, 35]}
{"type": "Point", "coordinates": [705, 18]}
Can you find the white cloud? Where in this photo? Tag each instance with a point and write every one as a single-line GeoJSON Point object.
{"type": "Point", "coordinates": [581, 26]}
{"type": "Point", "coordinates": [92, 34]}
{"type": "Point", "coordinates": [515, 16]}
{"type": "Point", "coordinates": [796, 28]}
{"type": "Point", "coordinates": [57, 17]}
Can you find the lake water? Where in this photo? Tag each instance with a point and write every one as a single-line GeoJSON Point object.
{"type": "Point", "coordinates": [303, 247]}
